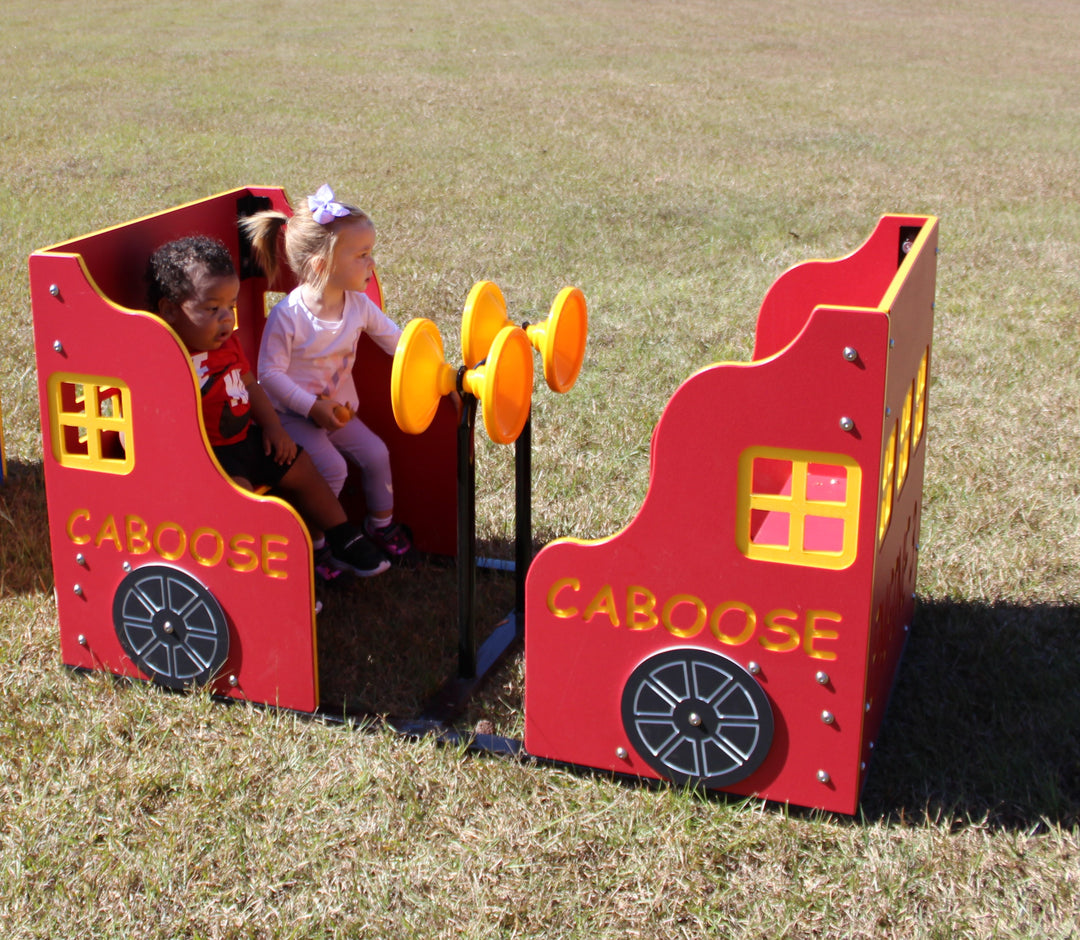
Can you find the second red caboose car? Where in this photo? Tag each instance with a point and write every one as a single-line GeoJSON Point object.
{"type": "Point", "coordinates": [743, 631]}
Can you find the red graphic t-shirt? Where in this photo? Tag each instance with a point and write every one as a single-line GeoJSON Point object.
{"type": "Point", "coordinates": [225, 405]}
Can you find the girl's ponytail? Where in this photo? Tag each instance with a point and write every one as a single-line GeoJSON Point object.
{"type": "Point", "coordinates": [263, 230]}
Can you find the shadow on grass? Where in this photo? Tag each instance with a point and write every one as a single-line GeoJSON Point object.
{"type": "Point", "coordinates": [984, 720]}
{"type": "Point", "coordinates": [25, 563]}
{"type": "Point", "coordinates": [388, 643]}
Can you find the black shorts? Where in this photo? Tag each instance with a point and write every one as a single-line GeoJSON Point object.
{"type": "Point", "coordinates": [246, 459]}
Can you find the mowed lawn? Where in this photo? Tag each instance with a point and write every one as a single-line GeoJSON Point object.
{"type": "Point", "coordinates": [671, 160]}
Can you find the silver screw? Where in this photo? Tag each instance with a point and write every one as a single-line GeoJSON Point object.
{"type": "Point", "coordinates": [57, 346]}
{"type": "Point", "coordinates": [822, 677]}
{"type": "Point", "coordinates": [78, 590]}
{"type": "Point", "coordinates": [828, 717]}
{"type": "Point", "coordinates": [754, 668]}
{"type": "Point", "coordinates": [846, 424]}
{"type": "Point", "coordinates": [167, 627]}
{"type": "Point", "coordinates": [126, 566]}
{"type": "Point", "coordinates": [823, 776]}
{"type": "Point", "coordinates": [621, 753]}
{"type": "Point", "coordinates": [233, 681]}
{"type": "Point", "coordinates": [851, 353]}
{"type": "Point", "coordinates": [54, 289]}
{"type": "Point", "coordinates": [695, 719]}
{"type": "Point", "coordinates": [80, 559]}
{"type": "Point", "coordinates": [82, 639]}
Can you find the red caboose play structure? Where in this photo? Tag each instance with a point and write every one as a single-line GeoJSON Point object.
{"type": "Point", "coordinates": [741, 633]}
{"type": "Point", "coordinates": [164, 569]}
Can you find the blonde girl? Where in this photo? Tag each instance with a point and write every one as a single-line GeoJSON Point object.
{"type": "Point", "coordinates": [309, 346]}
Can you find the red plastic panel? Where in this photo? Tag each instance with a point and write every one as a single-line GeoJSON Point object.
{"type": "Point", "coordinates": [749, 567]}
{"type": "Point", "coordinates": [166, 501]}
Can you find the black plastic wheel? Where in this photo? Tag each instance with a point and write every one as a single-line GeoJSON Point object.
{"type": "Point", "coordinates": [171, 626]}
{"type": "Point", "coordinates": [697, 718]}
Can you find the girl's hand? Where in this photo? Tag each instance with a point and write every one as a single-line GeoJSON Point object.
{"type": "Point", "coordinates": [276, 441]}
{"type": "Point", "coordinates": [329, 414]}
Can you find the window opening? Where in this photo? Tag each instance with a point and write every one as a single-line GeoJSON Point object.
{"type": "Point", "coordinates": [798, 507]}
{"type": "Point", "coordinates": [90, 423]}
{"type": "Point", "coordinates": [885, 490]}
{"type": "Point", "coordinates": [903, 444]}
{"type": "Point", "coordinates": [919, 406]}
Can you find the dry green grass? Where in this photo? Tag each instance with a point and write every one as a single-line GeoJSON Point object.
{"type": "Point", "coordinates": [670, 159]}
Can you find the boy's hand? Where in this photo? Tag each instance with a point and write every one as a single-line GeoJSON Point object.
{"type": "Point", "coordinates": [329, 414]}
{"type": "Point", "coordinates": [276, 441]}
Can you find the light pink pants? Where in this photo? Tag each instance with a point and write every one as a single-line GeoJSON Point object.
{"type": "Point", "coordinates": [357, 442]}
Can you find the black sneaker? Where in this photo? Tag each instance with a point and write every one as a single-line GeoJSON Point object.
{"type": "Point", "coordinates": [326, 569]}
{"type": "Point", "coordinates": [360, 556]}
{"type": "Point", "coordinates": [394, 540]}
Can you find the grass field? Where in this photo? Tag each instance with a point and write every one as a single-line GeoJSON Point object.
{"type": "Point", "coordinates": [671, 159]}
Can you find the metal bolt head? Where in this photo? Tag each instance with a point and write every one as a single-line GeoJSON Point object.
{"type": "Point", "coordinates": [828, 717]}
{"type": "Point", "coordinates": [80, 559]}
{"type": "Point", "coordinates": [851, 353]}
{"type": "Point", "coordinates": [621, 753]}
{"type": "Point", "coordinates": [78, 590]}
{"type": "Point", "coordinates": [126, 566]}
{"type": "Point", "coordinates": [822, 677]}
{"type": "Point", "coordinates": [823, 776]}
{"type": "Point", "coordinates": [694, 719]}
{"type": "Point", "coordinates": [168, 627]}
{"type": "Point", "coordinates": [753, 668]}
{"type": "Point", "coordinates": [54, 289]}
{"type": "Point", "coordinates": [57, 346]}
{"type": "Point", "coordinates": [847, 424]}
{"type": "Point", "coordinates": [233, 681]}
{"type": "Point", "coordinates": [82, 639]}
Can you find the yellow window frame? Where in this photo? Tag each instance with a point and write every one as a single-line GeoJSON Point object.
{"type": "Point", "coordinates": [798, 505]}
{"type": "Point", "coordinates": [885, 490]}
{"type": "Point", "coordinates": [919, 407]}
{"type": "Point", "coordinates": [87, 414]}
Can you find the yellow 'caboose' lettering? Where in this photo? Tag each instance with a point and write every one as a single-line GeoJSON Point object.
{"type": "Point", "coordinates": [749, 623]}
{"type": "Point", "coordinates": [603, 602]}
{"type": "Point", "coordinates": [812, 633]}
{"type": "Point", "coordinates": [776, 622]}
{"type": "Point", "coordinates": [640, 600]}
{"type": "Point", "coordinates": [732, 623]}
{"type": "Point", "coordinates": [556, 589]}
{"type": "Point", "coordinates": [205, 545]}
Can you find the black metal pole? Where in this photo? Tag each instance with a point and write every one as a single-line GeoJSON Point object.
{"type": "Point", "coordinates": [466, 537]}
{"type": "Point", "coordinates": [522, 516]}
